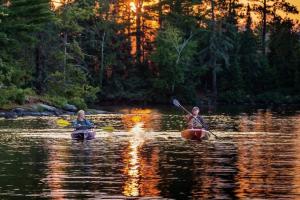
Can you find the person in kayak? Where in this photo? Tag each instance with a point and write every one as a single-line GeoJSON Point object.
{"type": "Point", "coordinates": [195, 121]}
{"type": "Point", "coordinates": [81, 123]}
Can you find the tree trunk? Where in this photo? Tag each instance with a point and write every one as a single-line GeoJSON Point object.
{"type": "Point", "coordinates": [213, 55]}
{"type": "Point", "coordinates": [102, 60]}
{"type": "Point", "coordinates": [264, 27]}
{"type": "Point", "coordinates": [65, 42]}
{"type": "Point", "coordinates": [139, 5]}
{"type": "Point", "coordinates": [160, 14]}
{"type": "Point", "coordinates": [38, 70]}
{"type": "Point", "coordinates": [214, 82]}
{"type": "Point", "coordinates": [230, 8]}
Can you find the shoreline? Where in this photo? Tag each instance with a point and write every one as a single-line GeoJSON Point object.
{"type": "Point", "coordinates": [44, 110]}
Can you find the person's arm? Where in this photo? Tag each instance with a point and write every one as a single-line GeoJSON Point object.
{"type": "Point", "coordinates": [188, 118]}
{"type": "Point", "coordinates": [75, 124]}
{"type": "Point", "coordinates": [204, 125]}
{"type": "Point", "coordinates": [89, 124]}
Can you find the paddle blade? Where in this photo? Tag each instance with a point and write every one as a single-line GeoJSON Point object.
{"type": "Point", "coordinates": [62, 122]}
{"type": "Point", "coordinates": [108, 128]}
{"type": "Point", "coordinates": [176, 103]}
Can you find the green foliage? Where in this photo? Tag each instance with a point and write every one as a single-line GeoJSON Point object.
{"type": "Point", "coordinates": [25, 17]}
{"type": "Point", "coordinates": [11, 74]}
{"type": "Point", "coordinates": [266, 98]}
{"type": "Point", "coordinates": [78, 102]}
{"type": "Point", "coordinates": [3, 14]}
{"type": "Point", "coordinates": [74, 87]}
{"type": "Point", "coordinates": [69, 79]}
{"type": "Point", "coordinates": [57, 101]}
{"type": "Point", "coordinates": [81, 52]}
{"type": "Point", "coordinates": [275, 97]}
{"type": "Point", "coordinates": [234, 97]}
{"type": "Point", "coordinates": [13, 94]}
{"type": "Point", "coordinates": [173, 55]}
{"type": "Point", "coordinates": [284, 53]}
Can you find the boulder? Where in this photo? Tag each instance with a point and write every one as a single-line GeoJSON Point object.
{"type": "Point", "coordinates": [46, 113]}
{"type": "Point", "coordinates": [102, 112]}
{"type": "Point", "coordinates": [47, 107]}
{"type": "Point", "coordinates": [70, 107]}
{"type": "Point", "coordinates": [29, 113]}
{"type": "Point", "coordinates": [43, 107]}
{"type": "Point", "coordinates": [95, 112]}
{"type": "Point", "coordinates": [69, 113]}
{"type": "Point", "coordinates": [18, 110]}
{"type": "Point", "coordinates": [10, 115]}
{"type": "Point", "coordinates": [2, 114]}
{"type": "Point", "coordinates": [58, 112]}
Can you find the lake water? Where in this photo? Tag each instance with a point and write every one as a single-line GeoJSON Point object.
{"type": "Point", "coordinates": [257, 156]}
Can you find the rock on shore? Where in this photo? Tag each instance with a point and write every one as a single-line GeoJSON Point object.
{"type": "Point", "coordinates": [42, 109]}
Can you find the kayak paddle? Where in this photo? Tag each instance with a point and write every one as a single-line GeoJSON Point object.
{"type": "Point", "coordinates": [65, 123]}
{"type": "Point", "coordinates": [177, 104]}
{"type": "Point", "coordinates": [62, 122]}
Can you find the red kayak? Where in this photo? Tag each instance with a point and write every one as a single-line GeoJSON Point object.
{"type": "Point", "coordinates": [195, 134]}
{"type": "Point", "coordinates": [83, 135]}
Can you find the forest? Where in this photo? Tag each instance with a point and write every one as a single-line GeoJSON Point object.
{"type": "Point", "coordinates": [86, 52]}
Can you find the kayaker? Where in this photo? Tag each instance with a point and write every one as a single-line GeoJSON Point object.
{"type": "Point", "coordinates": [193, 123]}
{"type": "Point", "coordinates": [81, 123]}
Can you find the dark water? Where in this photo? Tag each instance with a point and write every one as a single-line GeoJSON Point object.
{"type": "Point", "coordinates": [256, 157]}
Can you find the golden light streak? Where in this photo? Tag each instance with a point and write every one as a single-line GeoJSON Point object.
{"type": "Point", "coordinates": [292, 2]}
{"type": "Point", "coordinates": [296, 181]}
{"type": "Point", "coordinates": [56, 173]}
{"type": "Point", "coordinates": [150, 118]}
{"type": "Point", "coordinates": [58, 3]}
{"type": "Point", "coordinates": [131, 187]}
{"type": "Point", "coordinates": [132, 6]}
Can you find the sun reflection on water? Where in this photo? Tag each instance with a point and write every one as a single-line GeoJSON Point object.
{"type": "Point", "coordinates": [132, 170]}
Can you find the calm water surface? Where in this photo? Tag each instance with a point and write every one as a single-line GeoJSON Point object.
{"type": "Point", "coordinates": [256, 157]}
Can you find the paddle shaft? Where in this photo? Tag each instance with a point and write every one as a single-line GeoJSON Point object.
{"type": "Point", "coordinates": [67, 123]}
{"type": "Point", "coordinates": [195, 118]}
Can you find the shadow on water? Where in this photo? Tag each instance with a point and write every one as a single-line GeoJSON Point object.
{"type": "Point", "coordinates": [257, 158]}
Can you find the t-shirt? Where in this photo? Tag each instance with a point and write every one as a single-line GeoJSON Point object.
{"type": "Point", "coordinates": [82, 124]}
{"type": "Point", "coordinates": [194, 123]}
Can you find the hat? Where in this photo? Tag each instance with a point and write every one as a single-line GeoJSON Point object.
{"type": "Point", "coordinates": [196, 108]}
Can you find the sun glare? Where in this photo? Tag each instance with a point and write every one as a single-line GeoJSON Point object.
{"type": "Point", "coordinates": [132, 6]}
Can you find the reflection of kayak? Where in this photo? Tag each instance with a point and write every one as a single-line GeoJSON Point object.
{"type": "Point", "coordinates": [83, 134]}
{"type": "Point", "coordinates": [195, 134]}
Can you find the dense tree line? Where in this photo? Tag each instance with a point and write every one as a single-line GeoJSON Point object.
{"type": "Point", "coordinates": [87, 51]}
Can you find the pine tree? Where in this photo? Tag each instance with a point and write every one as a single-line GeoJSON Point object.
{"type": "Point", "coordinates": [18, 33]}
{"type": "Point", "coordinates": [215, 53]}
{"type": "Point", "coordinates": [250, 60]}
{"type": "Point", "coordinates": [26, 17]}
{"type": "Point", "coordinates": [3, 14]}
{"type": "Point", "coordinates": [284, 54]}
{"type": "Point", "coordinates": [67, 72]}
{"type": "Point", "coordinates": [268, 10]}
